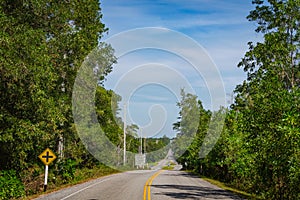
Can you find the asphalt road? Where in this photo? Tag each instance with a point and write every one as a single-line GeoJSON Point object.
{"type": "Point", "coordinates": [143, 185]}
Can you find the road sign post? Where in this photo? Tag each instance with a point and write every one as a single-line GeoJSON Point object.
{"type": "Point", "coordinates": [47, 157]}
{"type": "Point", "coordinates": [46, 178]}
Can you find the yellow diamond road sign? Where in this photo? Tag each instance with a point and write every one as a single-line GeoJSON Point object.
{"type": "Point", "coordinates": [47, 156]}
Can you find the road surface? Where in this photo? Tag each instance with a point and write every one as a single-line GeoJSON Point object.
{"type": "Point", "coordinates": [143, 185]}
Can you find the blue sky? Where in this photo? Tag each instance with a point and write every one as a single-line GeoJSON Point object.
{"type": "Point", "coordinates": [219, 26]}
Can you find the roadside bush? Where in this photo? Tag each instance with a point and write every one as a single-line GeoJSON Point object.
{"type": "Point", "coordinates": [66, 169]}
{"type": "Point", "coordinates": [10, 185]}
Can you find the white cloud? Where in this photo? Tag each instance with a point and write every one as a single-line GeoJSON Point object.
{"type": "Point", "coordinates": [220, 26]}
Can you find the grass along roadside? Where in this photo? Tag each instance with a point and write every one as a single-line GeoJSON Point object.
{"type": "Point", "coordinates": [81, 176]}
{"type": "Point", "coordinates": [224, 186]}
{"type": "Point", "coordinates": [169, 166]}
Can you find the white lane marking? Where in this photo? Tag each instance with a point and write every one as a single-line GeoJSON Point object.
{"type": "Point", "coordinates": [88, 187]}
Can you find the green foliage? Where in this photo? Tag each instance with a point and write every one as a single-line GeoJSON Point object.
{"type": "Point", "coordinates": [191, 131]}
{"type": "Point", "coordinates": [154, 144]}
{"type": "Point", "coordinates": [258, 150]}
{"type": "Point", "coordinates": [43, 44]}
{"type": "Point", "coordinates": [168, 167]}
{"type": "Point", "coordinates": [66, 169]}
{"type": "Point", "coordinates": [10, 185]}
{"type": "Point", "coordinates": [187, 124]}
{"type": "Point", "coordinates": [268, 103]}
{"type": "Point", "coordinates": [107, 110]}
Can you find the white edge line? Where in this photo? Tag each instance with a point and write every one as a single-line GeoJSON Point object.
{"type": "Point", "coordinates": [87, 187]}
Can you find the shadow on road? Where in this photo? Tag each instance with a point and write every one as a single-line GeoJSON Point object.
{"type": "Point", "coordinates": [186, 191]}
{"type": "Point", "coordinates": [185, 174]}
{"type": "Point", "coordinates": [194, 192]}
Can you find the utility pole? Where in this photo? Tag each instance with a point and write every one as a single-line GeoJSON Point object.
{"type": "Point", "coordinates": [141, 140]}
{"type": "Point", "coordinates": [124, 157]}
{"type": "Point", "coordinates": [145, 145]}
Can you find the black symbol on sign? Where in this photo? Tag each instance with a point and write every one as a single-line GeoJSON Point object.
{"type": "Point", "coordinates": [47, 156]}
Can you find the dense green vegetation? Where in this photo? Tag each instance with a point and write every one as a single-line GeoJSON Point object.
{"type": "Point", "coordinates": [259, 149]}
{"type": "Point", "coordinates": [43, 44]}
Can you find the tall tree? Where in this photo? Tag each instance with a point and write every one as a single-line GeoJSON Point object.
{"type": "Point", "coordinates": [187, 125]}
{"type": "Point", "coordinates": [269, 101]}
{"type": "Point", "coordinates": [28, 110]}
{"type": "Point", "coordinates": [43, 44]}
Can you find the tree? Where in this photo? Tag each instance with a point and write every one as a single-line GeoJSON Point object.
{"type": "Point", "coordinates": [192, 128]}
{"type": "Point", "coordinates": [43, 44]}
{"type": "Point", "coordinates": [28, 109]}
{"type": "Point", "coordinates": [259, 147]}
{"type": "Point", "coordinates": [132, 139]}
{"type": "Point", "coordinates": [269, 100]}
